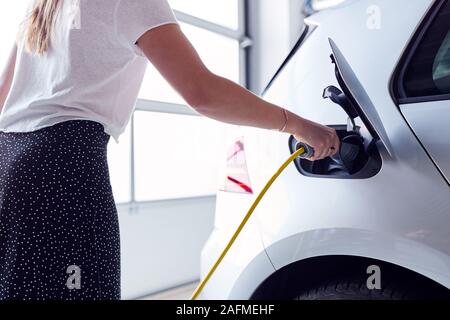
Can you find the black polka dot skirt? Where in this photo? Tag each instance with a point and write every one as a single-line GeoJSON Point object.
{"type": "Point", "coordinates": [59, 232]}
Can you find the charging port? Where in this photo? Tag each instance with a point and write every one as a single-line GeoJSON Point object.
{"type": "Point", "coordinates": [357, 159]}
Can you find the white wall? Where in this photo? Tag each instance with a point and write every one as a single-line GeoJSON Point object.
{"type": "Point", "coordinates": [161, 243]}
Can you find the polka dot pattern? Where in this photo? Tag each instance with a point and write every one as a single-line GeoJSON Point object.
{"type": "Point", "coordinates": [57, 210]}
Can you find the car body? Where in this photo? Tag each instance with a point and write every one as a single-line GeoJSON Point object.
{"type": "Point", "coordinates": [316, 226]}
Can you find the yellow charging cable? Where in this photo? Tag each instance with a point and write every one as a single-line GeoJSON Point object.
{"type": "Point", "coordinates": [261, 195]}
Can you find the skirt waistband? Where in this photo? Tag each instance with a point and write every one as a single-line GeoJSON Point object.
{"type": "Point", "coordinates": [83, 133]}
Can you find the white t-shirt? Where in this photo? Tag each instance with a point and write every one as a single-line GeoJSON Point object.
{"type": "Point", "coordinates": [93, 69]}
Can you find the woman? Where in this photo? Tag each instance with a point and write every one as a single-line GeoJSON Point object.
{"type": "Point", "coordinates": [70, 84]}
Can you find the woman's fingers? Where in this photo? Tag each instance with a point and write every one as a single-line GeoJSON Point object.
{"type": "Point", "coordinates": [328, 147]}
{"type": "Point", "coordinates": [336, 145]}
{"type": "Point", "coordinates": [323, 139]}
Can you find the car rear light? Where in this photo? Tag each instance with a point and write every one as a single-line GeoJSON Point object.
{"type": "Point", "coordinates": [236, 174]}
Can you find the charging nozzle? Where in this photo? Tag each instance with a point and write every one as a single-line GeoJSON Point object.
{"type": "Point", "coordinates": [308, 150]}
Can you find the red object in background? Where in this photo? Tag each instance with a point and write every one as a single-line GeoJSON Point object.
{"type": "Point", "coordinates": [245, 187]}
{"type": "Point", "coordinates": [237, 177]}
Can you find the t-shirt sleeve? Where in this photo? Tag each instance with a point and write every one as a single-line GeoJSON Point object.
{"type": "Point", "coordinates": [135, 17]}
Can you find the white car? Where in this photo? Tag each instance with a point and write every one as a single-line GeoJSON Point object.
{"type": "Point", "coordinates": [375, 222]}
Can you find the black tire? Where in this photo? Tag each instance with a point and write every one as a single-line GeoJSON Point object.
{"type": "Point", "coordinates": [353, 289]}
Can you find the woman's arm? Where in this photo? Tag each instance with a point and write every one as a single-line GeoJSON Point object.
{"type": "Point", "coordinates": [223, 100]}
{"type": "Point", "coordinates": [6, 76]}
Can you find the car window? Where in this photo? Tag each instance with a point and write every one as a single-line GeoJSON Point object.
{"type": "Point", "coordinates": [428, 72]}
{"type": "Point", "coordinates": [441, 66]}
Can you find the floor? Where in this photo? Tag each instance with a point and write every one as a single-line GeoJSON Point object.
{"type": "Point", "coordinates": [180, 293]}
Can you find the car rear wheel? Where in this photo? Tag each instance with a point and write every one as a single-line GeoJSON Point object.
{"type": "Point", "coordinates": [356, 289]}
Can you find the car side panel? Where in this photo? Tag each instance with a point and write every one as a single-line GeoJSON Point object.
{"type": "Point", "coordinates": [408, 200]}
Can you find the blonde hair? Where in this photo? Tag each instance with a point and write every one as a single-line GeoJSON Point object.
{"type": "Point", "coordinates": [40, 24]}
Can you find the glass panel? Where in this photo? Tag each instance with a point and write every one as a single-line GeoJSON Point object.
{"type": "Point", "coordinates": [12, 13]}
{"type": "Point", "coordinates": [177, 156]}
{"type": "Point", "coordinates": [219, 53]}
{"type": "Point", "coordinates": [428, 73]}
{"type": "Point", "coordinates": [441, 67]}
{"type": "Point", "coordinates": [155, 87]}
{"type": "Point", "coordinates": [223, 12]}
{"type": "Point", "coordinates": [119, 162]}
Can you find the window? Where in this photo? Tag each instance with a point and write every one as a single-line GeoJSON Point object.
{"type": "Point", "coordinates": [428, 72]}
{"type": "Point", "coordinates": [119, 156]}
{"type": "Point", "coordinates": [12, 13]}
{"type": "Point", "coordinates": [219, 53]}
{"type": "Point", "coordinates": [169, 151]}
{"type": "Point", "coordinates": [176, 155]}
{"type": "Point", "coordinates": [441, 67]}
{"type": "Point", "coordinates": [222, 12]}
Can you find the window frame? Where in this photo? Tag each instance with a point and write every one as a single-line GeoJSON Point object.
{"type": "Point", "coordinates": [397, 84]}
{"type": "Point", "coordinates": [240, 35]}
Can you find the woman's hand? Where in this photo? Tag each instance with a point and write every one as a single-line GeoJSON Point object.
{"type": "Point", "coordinates": [323, 139]}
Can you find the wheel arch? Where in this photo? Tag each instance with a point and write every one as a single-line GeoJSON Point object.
{"type": "Point", "coordinates": [320, 254]}
{"type": "Point", "coordinates": [299, 276]}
